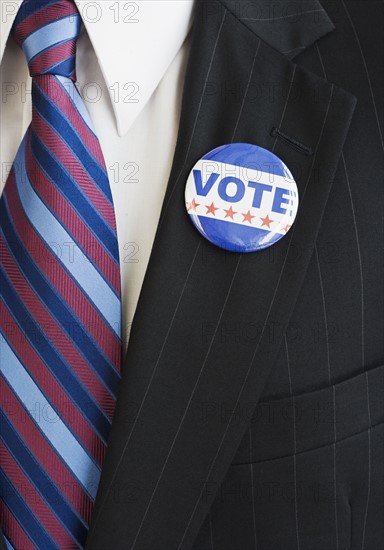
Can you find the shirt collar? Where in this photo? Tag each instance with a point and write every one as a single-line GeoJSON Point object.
{"type": "Point", "coordinates": [134, 42]}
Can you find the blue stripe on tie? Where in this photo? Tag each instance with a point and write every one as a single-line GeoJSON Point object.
{"type": "Point", "coordinates": [59, 309]}
{"type": "Point", "coordinates": [50, 493]}
{"type": "Point", "coordinates": [51, 231]}
{"type": "Point", "coordinates": [54, 362]}
{"type": "Point", "coordinates": [57, 433]}
{"type": "Point", "coordinates": [74, 195]}
{"type": "Point", "coordinates": [63, 67]}
{"type": "Point", "coordinates": [51, 35]}
{"type": "Point", "coordinates": [24, 515]}
{"type": "Point", "coordinates": [77, 101]}
{"type": "Point", "coordinates": [60, 124]}
{"type": "Point", "coordinates": [8, 545]}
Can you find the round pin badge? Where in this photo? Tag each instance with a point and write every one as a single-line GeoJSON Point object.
{"type": "Point", "coordinates": [241, 197]}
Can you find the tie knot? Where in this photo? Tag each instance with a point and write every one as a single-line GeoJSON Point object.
{"type": "Point", "coordinates": [47, 31]}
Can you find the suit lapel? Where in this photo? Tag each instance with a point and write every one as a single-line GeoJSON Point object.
{"type": "Point", "coordinates": [209, 323]}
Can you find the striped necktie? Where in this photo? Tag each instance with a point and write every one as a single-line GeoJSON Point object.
{"type": "Point", "coordinates": [60, 306]}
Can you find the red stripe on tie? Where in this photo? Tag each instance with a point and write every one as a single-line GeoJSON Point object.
{"type": "Point", "coordinates": [51, 388]}
{"type": "Point", "coordinates": [68, 160]}
{"type": "Point", "coordinates": [51, 196]}
{"type": "Point", "coordinates": [46, 15]}
{"type": "Point", "coordinates": [15, 533]}
{"type": "Point", "coordinates": [45, 454]}
{"type": "Point", "coordinates": [55, 333]}
{"type": "Point", "coordinates": [33, 499]}
{"type": "Point", "coordinates": [66, 286]}
{"type": "Point", "coordinates": [53, 89]}
{"type": "Point", "coordinates": [48, 58]}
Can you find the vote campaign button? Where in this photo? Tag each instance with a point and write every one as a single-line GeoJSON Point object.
{"type": "Point", "coordinates": [241, 197]}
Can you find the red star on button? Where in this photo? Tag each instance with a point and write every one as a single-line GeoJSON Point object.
{"type": "Point", "coordinates": [287, 228]}
{"type": "Point", "coordinates": [211, 209]}
{"type": "Point", "coordinates": [193, 205]}
{"type": "Point", "coordinates": [247, 217]}
{"type": "Point", "coordinates": [266, 221]}
{"type": "Point", "coordinates": [229, 213]}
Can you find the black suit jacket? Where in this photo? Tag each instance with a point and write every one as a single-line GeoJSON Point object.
{"type": "Point", "coordinates": [167, 459]}
{"type": "Point", "coordinates": [213, 330]}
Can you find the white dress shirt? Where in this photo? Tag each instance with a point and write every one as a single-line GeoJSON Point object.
{"type": "Point", "coordinates": [131, 61]}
